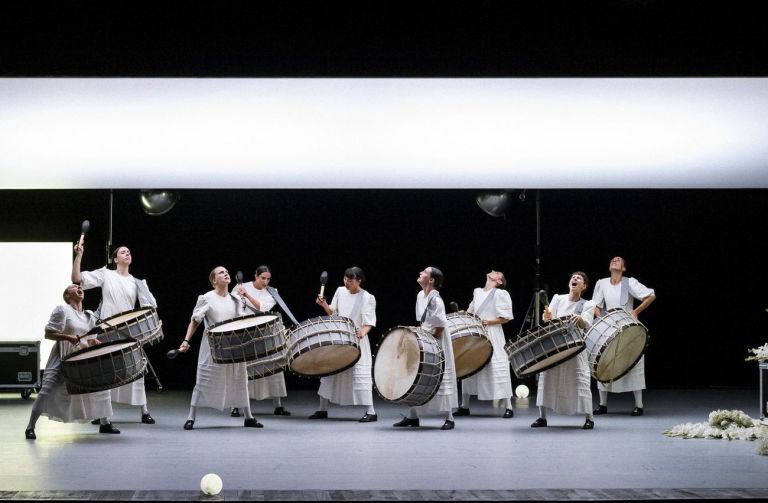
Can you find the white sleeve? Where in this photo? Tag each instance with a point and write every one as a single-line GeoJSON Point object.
{"type": "Point", "coordinates": [57, 320]}
{"type": "Point", "coordinates": [639, 290]}
{"type": "Point", "coordinates": [201, 309]}
{"type": "Point", "coordinates": [503, 303]}
{"type": "Point", "coordinates": [92, 279]}
{"type": "Point", "coordinates": [369, 310]}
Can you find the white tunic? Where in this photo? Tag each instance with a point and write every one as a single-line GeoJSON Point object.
{"type": "Point", "coordinates": [494, 381]}
{"type": "Point", "coordinates": [566, 387]}
{"type": "Point", "coordinates": [119, 294]}
{"type": "Point", "coordinates": [53, 400]}
{"type": "Point", "coordinates": [446, 399]}
{"type": "Point", "coordinates": [219, 386]}
{"type": "Point", "coordinates": [354, 386]}
{"type": "Point", "coordinates": [604, 291]}
{"type": "Point", "coordinates": [273, 385]}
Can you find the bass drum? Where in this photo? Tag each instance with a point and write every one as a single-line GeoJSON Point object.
{"type": "Point", "coordinates": [104, 366]}
{"type": "Point", "coordinates": [615, 343]}
{"type": "Point", "coordinates": [246, 338]}
{"type": "Point", "coordinates": [472, 348]}
{"type": "Point", "coordinates": [323, 346]}
{"type": "Point", "coordinates": [408, 368]}
{"type": "Point", "coordinates": [548, 346]}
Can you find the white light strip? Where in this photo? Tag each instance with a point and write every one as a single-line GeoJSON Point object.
{"type": "Point", "coordinates": [383, 133]}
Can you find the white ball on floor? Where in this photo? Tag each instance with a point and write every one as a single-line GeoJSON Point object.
{"type": "Point", "coordinates": [521, 391]}
{"type": "Point", "coordinates": [211, 484]}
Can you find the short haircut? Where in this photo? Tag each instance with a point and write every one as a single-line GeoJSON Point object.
{"type": "Point", "coordinates": [438, 276]}
{"type": "Point", "coordinates": [355, 272]}
{"type": "Point", "coordinates": [583, 275]}
{"type": "Point", "coordinates": [262, 269]}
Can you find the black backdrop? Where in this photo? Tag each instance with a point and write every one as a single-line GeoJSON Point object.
{"type": "Point", "coordinates": [701, 250]}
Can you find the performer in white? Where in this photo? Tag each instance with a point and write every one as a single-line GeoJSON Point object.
{"type": "Point", "coordinates": [566, 388]}
{"type": "Point", "coordinates": [493, 305]}
{"type": "Point", "coordinates": [430, 311]}
{"type": "Point", "coordinates": [119, 293]}
{"type": "Point", "coordinates": [219, 386]}
{"type": "Point", "coordinates": [67, 324]}
{"type": "Point", "coordinates": [257, 295]}
{"type": "Point", "coordinates": [613, 292]}
{"type": "Point", "coordinates": [353, 386]}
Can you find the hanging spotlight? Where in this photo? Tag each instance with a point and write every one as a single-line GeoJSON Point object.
{"type": "Point", "coordinates": [158, 202]}
{"type": "Point", "coordinates": [495, 204]}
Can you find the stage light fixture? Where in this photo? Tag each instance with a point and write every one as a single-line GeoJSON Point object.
{"type": "Point", "coordinates": [158, 202]}
{"type": "Point", "coordinates": [494, 204]}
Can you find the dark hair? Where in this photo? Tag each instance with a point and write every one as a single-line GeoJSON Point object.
{"type": "Point", "coordinates": [355, 272]}
{"type": "Point", "coordinates": [583, 275]}
{"type": "Point", "coordinates": [503, 280]}
{"type": "Point", "coordinates": [438, 276]}
{"type": "Point", "coordinates": [114, 252]}
{"type": "Point", "coordinates": [262, 269]}
{"type": "Point", "coordinates": [212, 274]}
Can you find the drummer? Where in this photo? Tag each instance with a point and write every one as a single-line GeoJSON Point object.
{"type": "Point", "coordinates": [120, 292]}
{"type": "Point", "coordinates": [430, 311]}
{"type": "Point", "coordinates": [65, 324]}
{"type": "Point", "coordinates": [353, 386]}
{"type": "Point", "coordinates": [566, 388]}
{"type": "Point", "coordinates": [493, 305]}
{"type": "Point", "coordinates": [620, 292]}
{"type": "Point", "coordinates": [257, 295]}
{"type": "Point", "coordinates": [219, 386]}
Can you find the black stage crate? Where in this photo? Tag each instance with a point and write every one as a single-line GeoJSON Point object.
{"type": "Point", "coordinates": [20, 365]}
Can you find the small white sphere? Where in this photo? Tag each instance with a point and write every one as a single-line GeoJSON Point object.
{"type": "Point", "coordinates": [211, 484]}
{"type": "Point", "coordinates": [522, 391]}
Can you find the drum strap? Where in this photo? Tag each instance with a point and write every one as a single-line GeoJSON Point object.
{"type": "Point", "coordinates": [485, 303]}
{"type": "Point", "coordinates": [357, 307]}
{"type": "Point", "coordinates": [430, 298]}
{"type": "Point", "coordinates": [624, 295]}
{"type": "Point", "coordinates": [273, 292]}
{"type": "Point", "coordinates": [580, 306]}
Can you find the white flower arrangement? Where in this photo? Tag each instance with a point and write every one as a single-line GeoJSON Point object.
{"type": "Point", "coordinates": [760, 353]}
{"type": "Point", "coordinates": [727, 424]}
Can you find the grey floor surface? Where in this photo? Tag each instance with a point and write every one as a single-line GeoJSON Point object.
{"type": "Point", "coordinates": [293, 458]}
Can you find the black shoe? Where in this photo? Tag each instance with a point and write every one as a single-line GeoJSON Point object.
{"type": "Point", "coordinates": [407, 422]}
{"type": "Point", "coordinates": [600, 409]}
{"type": "Point", "coordinates": [368, 418]}
{"type": "Point", "coordinates": [252, 423]}
{"type": "Point", "coordinates": [189, 424]}
{"type": "Point", "coordinates": [637, 411]}
{"type": "Point", "coordinates": [95, 421]}
{"type": "Point", "coordinates": [280, 411]}
{"type": "Point", "coordinates": [588, 424]}
{"type": "Point", "coordinates": [235, 412]}
{"type": "Point", "coordinates": [320, 414]}
{"type": "Point", "coordinates": [539, 423]}
{"type": "Point", "coordinates": [108, 428]}
{"type": "Point", "coordinates": [29, 433]}
{"type": "Point", "coordinates": [147, 419]}
{"type": "Point", "coordinates": [508, 413]}
{"type": "Point", "coordinates": [447, 425]}
{"type": "Point", "coordinates": [461, 411]}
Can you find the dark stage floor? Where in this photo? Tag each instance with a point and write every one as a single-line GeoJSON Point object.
{"type": "Point", "coordinates": [293, 458]}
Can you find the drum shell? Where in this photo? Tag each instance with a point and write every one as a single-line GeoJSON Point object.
{"type": "Point", "coordinates": [257, 336]}
{"type": "Point", "coordinates": [613, 333]}
{"type": "Point", "coordinates": [548, 346]}
{"type": "Point", "coordinates": [323, 346]}
{"type": "Point", "coordinates": [142, 325]}
{"type": "Point", "coordinates": [268, 365]}
{"type": "Point", "coordinates": [415, 379]}
{"type": "Point", "coordinates": [472, 348]}
{"type": "Point", "coordinates": [104, 366]}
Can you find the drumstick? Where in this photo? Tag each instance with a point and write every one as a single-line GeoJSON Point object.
{"type": "Point", "coordinates": [323, 281]}
{"type": "Point", "coordinates": [84, 228]}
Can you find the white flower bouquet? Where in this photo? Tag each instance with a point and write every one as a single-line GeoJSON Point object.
{"type": "Point", "coordinates": [726, 424]}
{"type": "Point", "coordinates": [760, 353]}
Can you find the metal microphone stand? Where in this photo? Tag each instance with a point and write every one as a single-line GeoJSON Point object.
{"type": "Point", "coordinates": [533, 315]}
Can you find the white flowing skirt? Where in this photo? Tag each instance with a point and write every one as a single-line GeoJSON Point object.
{"type": "Point", "coordinates": [354, 386]}
{"type": "Point", "coordinates": [267, 387]}
{"type": "Point", "coordinates": [54, 402]}
{"type": "Point", "coordinates": [494, 381]}
{"type": "Point", "coordinates": [219, 386]}
{"type": "Point", "coordinates": [566, 388]}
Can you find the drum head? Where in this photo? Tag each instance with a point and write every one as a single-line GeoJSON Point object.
{"type": "Point", "coordinates": [622, 353]}
{"type": "Point", "coordinates": [242, 322]}
{"type": "Point", "coordinates": [471, 354]}
{"type": "Point", "coordinates": [125, 316]}
{"type": "Point", "coordinates": [397, 363]}
{"type": "Point", "coordinates": [323, 361]}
